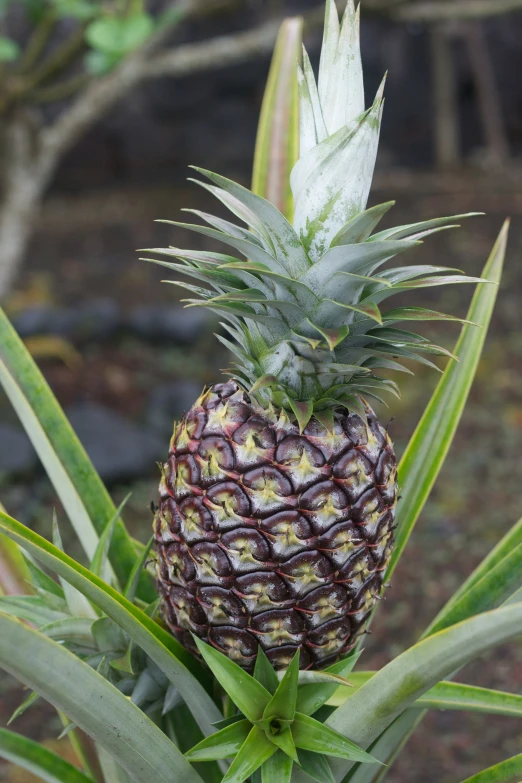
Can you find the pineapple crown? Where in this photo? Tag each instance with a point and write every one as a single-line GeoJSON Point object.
{"type": "Point", "coordinates": [303, 309]}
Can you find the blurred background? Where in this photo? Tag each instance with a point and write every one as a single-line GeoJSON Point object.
{"type": "Point", "coordinates": [103, 105]}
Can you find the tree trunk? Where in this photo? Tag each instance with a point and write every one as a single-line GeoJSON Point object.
{"type": "Point", "coordinates": [23, 183]}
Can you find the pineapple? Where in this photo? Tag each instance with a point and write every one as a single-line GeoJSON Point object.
{"type": "Point", "coordinates": [276, 514]}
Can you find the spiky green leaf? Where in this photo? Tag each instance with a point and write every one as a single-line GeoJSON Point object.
{"type": "Point", "coordinates": [221, 745]}
{"type": "Point", "coordinates": [246, 692]}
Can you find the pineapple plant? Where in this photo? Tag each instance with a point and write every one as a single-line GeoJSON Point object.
{"type": "Point", "coordinates": [278, 507]}
{"type": "Point", "coordinates": [277, 501]}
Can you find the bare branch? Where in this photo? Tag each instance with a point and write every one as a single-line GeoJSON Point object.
{"type": "Point", "coordinates": [436, 10]}
{"type": "Point", "coordinates": [217, 53]}
{"type": "Point", "coordinates": [104, 93]}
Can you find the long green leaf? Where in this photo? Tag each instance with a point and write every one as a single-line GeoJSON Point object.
{"type": "Point", "coordinates": [93, 704]}
{"type": "Point", "coordinates": [282, 704]}
{"type": "Point", "coordinates": [77, 603]}
{"type": "Point", "coordinates": [277, 143]}
{"type": "Point", "coordinates": [400, 683]}
{"type": "Point", "coordinates": [264, 672]}
{"type": "Point", "coordinates": [310, 734]}
{"type": "Point", "coordinates": [503, 549]}
{"type": "Point", "coordinates": [491, 591]}
{"type": "Point", "coordinates": [447, 696]}
{"type": "Point", "coordinates": [38, 760]}
{"type": "Point", "coordinates": [30, 608]}
{"type": "Point", "coordinates": [15, 578]}
{"type": "Point", "coordinates": [430, 443]}
{"type": "Point", "coordinates": [254, 752]}
{"type": "Point", "coordinates": [134, 577]}
{"type": "Point", "coordinates": [80, 489]}
{"type": "Point", "coordinates": [385, 749]}
{"type": "Point", "coordinates": [507, 771]}
{"type": "Point", "coordinates": [277, 768]}
{"type": "Point", "coordinates": [75, 630]}
{"type": "Point", "coordinates": [311, 697]}
{"type": "Point", "coordinates": [112, 771]}
{"type": "Point", "coordinates": [176, 663]}
{"type": "Point", "coordinates": [221, 745]}
{"type": "Point", "coordinates": [316, 766]}
{"type": "Point", "coordinates": [99, 563]}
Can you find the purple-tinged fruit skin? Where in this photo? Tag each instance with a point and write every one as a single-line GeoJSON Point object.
{"type": "Point", "coordinates": [268, 536]}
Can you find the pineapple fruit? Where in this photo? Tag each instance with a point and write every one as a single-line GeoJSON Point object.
{"type": "Point", "coordinates": [276, 514]}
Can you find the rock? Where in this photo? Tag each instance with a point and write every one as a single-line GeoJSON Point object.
{"type": "Point", "coordinates": [34, 320]}
{"type": "Point", "coordinates": [176, 324]}
{"type": "Point", "coordinates": [17, 454]}
{"type": "Point", "coordinates": [97, 320]}
{"type": "Point", "coordinates": [94, 320]}
{"type": "Point", "coordinates": [118, 448]}
{"type": "Point", "coordinates": [168, 402]}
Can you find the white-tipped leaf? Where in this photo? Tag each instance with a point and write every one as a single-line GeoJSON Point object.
{"type": "Point", "coordinates": [331, 182]}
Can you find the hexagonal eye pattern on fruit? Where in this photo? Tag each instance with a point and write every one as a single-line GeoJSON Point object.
{"type": "Point", "coordinates": [186, 608]}
{"type": "Point", "coordinates": [212, 565]}
{"type": "Point", "coordinates": [340, 541]}
{"type": "Point", "coordinates": [228, 504]}
{"type": "Point", "coordinates": [253, 444]}
{"type": "Point", "coordinates": [187, 476]}
{"type": "Point", "coordinates": [239, 645]}
{"type": "Point", "coordinates": [278, 627]}
{"type": "Point", "coordinates": [269, 536]}
{"type": "Point", "coordinates": [323, 505]}
{"type": "Point", "coordinates": [268, 489]}
{"type": "Point", "coordinates": [262, 591]}
{"type": "Point", "coordinates": [302, 462]}
{"type": "Point", "coordinates": [196, 523]}
{"type": "Point", "coordinates": [331, 637]}
{"type": "Point", "coordinates": [247, 550]}
{"type": "Point", "coordinates": [169, 520]}
{"type": "Point", "coordinates": [215, 460]}
{"type": "Point", "coordinates": [287, 533]}
{"type": "Point", "coordinates": [222, 607]}
{"type": "Point", "coordinates": [354, 473]}
{"type": "Point", "coordinates": [324, 603]}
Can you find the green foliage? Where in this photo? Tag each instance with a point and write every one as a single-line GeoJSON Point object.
{"type": "Point", "coordinates": [119, 36]}
{"type": "Point", "coordinates": [446, 696]}
{"type": "Point", "coordinates": [508, 771]}
{"type": "Point", "coordinates": [98, 650]}
{"type": "Point", "coordinates": [272, 721]}
{"type": "Point", "coordinates": [36, 759]}
{"type": "Point", "coordinates": [277, 145]}
{"type": "Point", "coordinates": [70, 42]}
{"type": "Point", "coordinates": [112, 38]}
{"type": "Point", "coordinates": [9, 50]}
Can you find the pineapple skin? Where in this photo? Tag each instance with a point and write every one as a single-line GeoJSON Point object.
{"type": "Point", "coordinates": [268, 536]}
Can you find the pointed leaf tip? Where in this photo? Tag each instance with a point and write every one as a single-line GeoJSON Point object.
{"type": "Point", "coordinates": [282, 704]}
{"type": "Point", "coordinates": [303, 412]}
{"type": "Point", "coordinates": [246, 692]}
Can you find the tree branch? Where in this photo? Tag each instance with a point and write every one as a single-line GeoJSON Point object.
{"type": "Point", "coordinates": [437, 11]}
{"type": "Point", "coordinates": [104, 93]}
